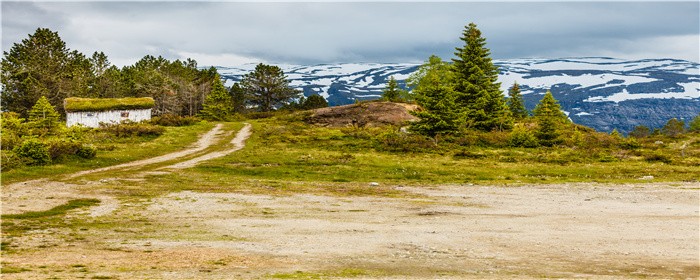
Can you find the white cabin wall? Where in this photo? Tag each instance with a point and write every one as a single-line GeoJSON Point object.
{"type": "Point", "coordinates": [93, 119]}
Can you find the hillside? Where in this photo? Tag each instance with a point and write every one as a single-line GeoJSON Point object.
{"type": "Point", "coordinates": [602, 93]}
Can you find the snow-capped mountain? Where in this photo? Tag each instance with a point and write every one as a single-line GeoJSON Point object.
{"type": "Point", "coordinates": [603, 93]}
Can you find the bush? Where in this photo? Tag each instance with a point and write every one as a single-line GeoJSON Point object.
{"type": "Point", "coordinates": [10, 160]}
{"type": "Point", "coordinates": [34, 152]}
{"type": "Point", "coordinates": [658, 156]}
{"type": "Point", "coordinates": [60, 148]}
{"type": "Point", "coordinates": [174, 120]}
{"type": "Point", "coordinates": [130, 129]}
{"type": "Point", "coordinates": [87, 151]}
{"type": "Point", "coordinates": [522, 138]}
{"type": "Point", "coordinates": [402, 142]}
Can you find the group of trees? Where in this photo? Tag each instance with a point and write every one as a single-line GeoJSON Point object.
{"type": "Point", "coordinates": [42, 65]}
{"type": "Point", "coordinates": [465, 95]}
{"type": "Point", "coordinates": [264, 89]}
{"type": "Point", "coordinates": [673, 128]}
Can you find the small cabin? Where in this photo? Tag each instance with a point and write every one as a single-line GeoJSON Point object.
{"type": "Point", "coordinates": [91, 112]}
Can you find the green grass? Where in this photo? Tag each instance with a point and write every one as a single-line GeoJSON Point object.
{"type": "Point", "coordinates": [58, 210]}
{"type": "Point", "coordinates": [77, 104]}
{"type": "Point", "coordinates": [114, 151]}
{"type": "Point", "coordinates": [298, 153]}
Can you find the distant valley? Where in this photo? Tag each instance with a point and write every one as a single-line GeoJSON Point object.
{"type": "Point", "coordinates": [603, 93]}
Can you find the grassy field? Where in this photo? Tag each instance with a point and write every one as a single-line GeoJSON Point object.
{"type": "Point", "coordinates": [114, 151]}
{"type": "Point", "coordinates": [289, 172]}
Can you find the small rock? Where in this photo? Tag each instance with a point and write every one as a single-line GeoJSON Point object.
{"type": "Point", "coordinates": [103, 181]}
{"type": "Point", "coordinates": [587, 199]}
{"type": "Point", "coordinates": [659, 142]}
{"type": "Point", "coordinates": [646, 177]}
{"type": "Point", "coordinates": [374, 184]}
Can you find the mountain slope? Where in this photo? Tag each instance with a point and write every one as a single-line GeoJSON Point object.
{"type": "Point", "coordinates": [602, 93]}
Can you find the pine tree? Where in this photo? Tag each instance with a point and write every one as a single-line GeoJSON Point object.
{"type": "Point", "coordinates": [391, 92]}
{"type": "Point", "coordinates": [44, 117]}
{"type": "Point", "coordinates": [478, 92]}
{"type": "Point", "coordinates": [239, 98]}
{"type": "Point", "coordinates": [268, 87]}
{"type": "Point", "coordinates": [694, 125]}
{"type": "Point", "coordinates": [314, 101]}
{"type": "Point", "coordinates": [38, 66]}
{"type": "Point", "coordinates": [549, 119]}
{"type": "Point", "coordinates": [433, 91]}
{"type": "Point", "coordinates": [673, 128]}
{"type": "Point", "coordinates": [217, 105]}
{"type": "Point", "coordinates": [640, 131]}
{"type": "Point", "coordinates": [516, 103]}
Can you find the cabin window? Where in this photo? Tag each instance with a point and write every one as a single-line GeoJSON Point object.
{"type": "Point", "coordinates": [90, 114]}
{"type": "Point", "coordinates": [125, 114]}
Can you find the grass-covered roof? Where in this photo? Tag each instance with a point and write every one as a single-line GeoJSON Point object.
{"type": "Point", "coordinates": [76, 104]}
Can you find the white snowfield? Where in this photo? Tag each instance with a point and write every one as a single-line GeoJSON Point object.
{"type": "Point", "coordinates": [534, 75]}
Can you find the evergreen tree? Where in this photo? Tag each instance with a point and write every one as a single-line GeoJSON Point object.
{"type": "Point", "coordinates": [217, 105]}
{"type": "Point", "coordinates": [433, 91]}
{"type": "Point", "coordinates": [640, 131]}
{"type": "Point", "coordinates": [268, 87]}
{"type": "Point", "coordinates": [43, 117]}
{"type": "Point", "coordinates": [239, 98]}
{"type": "Point", "coordinates": [314, 101]}
{"type": "Point", "coordinates": [41, 65]}
{"type": "Point", "coordinates": [478, 92]}
{"type": "Point", "coordinates": [391, 92]}
{"type": "Point", "coordinates": [673, 128]}
{"type": "Point", "coordinates": [516, 103]}
{"type": "Point", "coordinates": [549, 119]}
{"type": "Point", "coordinates": [549, 107]}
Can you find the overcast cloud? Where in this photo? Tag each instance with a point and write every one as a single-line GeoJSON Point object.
{"type": "Point", "coordinates": [230, 33]}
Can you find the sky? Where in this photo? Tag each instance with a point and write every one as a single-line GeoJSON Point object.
{"type": "Point", "coordinates": [234, 33]}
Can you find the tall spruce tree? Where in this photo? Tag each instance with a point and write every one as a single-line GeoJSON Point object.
{"type": "Point", "coordinates": [217, 105]}
{"type": "Point", "coordinates": [549, 120]}
{"type": "Point", "coordinates": [516, 103]}
{"type": "Point", "coordinates": [478, 91]}
{"type": "Point", "coordinates": [433, 91]}
{"type": "Point", "coordinates": [268, 87]}
{"type": "Point", "coordinates": [391, 92]}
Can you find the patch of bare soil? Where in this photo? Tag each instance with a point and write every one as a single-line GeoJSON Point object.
{"type": "Point", "coordinates": [569, 231]}
{"type": "Point", "coordinates": [448, 232]}
{"type": "Point", "coordinates": [364, 114]}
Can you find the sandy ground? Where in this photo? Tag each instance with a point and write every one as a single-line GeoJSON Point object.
{"type": "Point", "coordinates": [598, 231]}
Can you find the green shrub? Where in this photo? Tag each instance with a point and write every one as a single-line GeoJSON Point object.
{"type": "Point", "coordinates": [174, 120]}
{"type": "Point", "coordinates": [522, 138]}
{"type": "Point", "coordinates": [10, 160]}
{"type": "Point", "coordinates": [630, 144]}
{"type": "Point", "coordinates": [658, 156]}
{"type": "Point", "coordinates": [13, 128]}
{"type": "Point", "coordinates": [34, 152]}
{"type": "Point", "coordinates": [403, 142]}
{"type": "Point", "coordinates": [87, 151]}
{"type": "Point", "coordinates": [130, 129]}
{"type": "Point", "coordinates": [59, 148]}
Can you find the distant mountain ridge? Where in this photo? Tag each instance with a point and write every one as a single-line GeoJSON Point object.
{"type": "Point", "coordinates": [603, 93]}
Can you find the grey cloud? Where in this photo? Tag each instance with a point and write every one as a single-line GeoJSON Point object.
{"type": "Point", "coordinates": [356, 32]}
